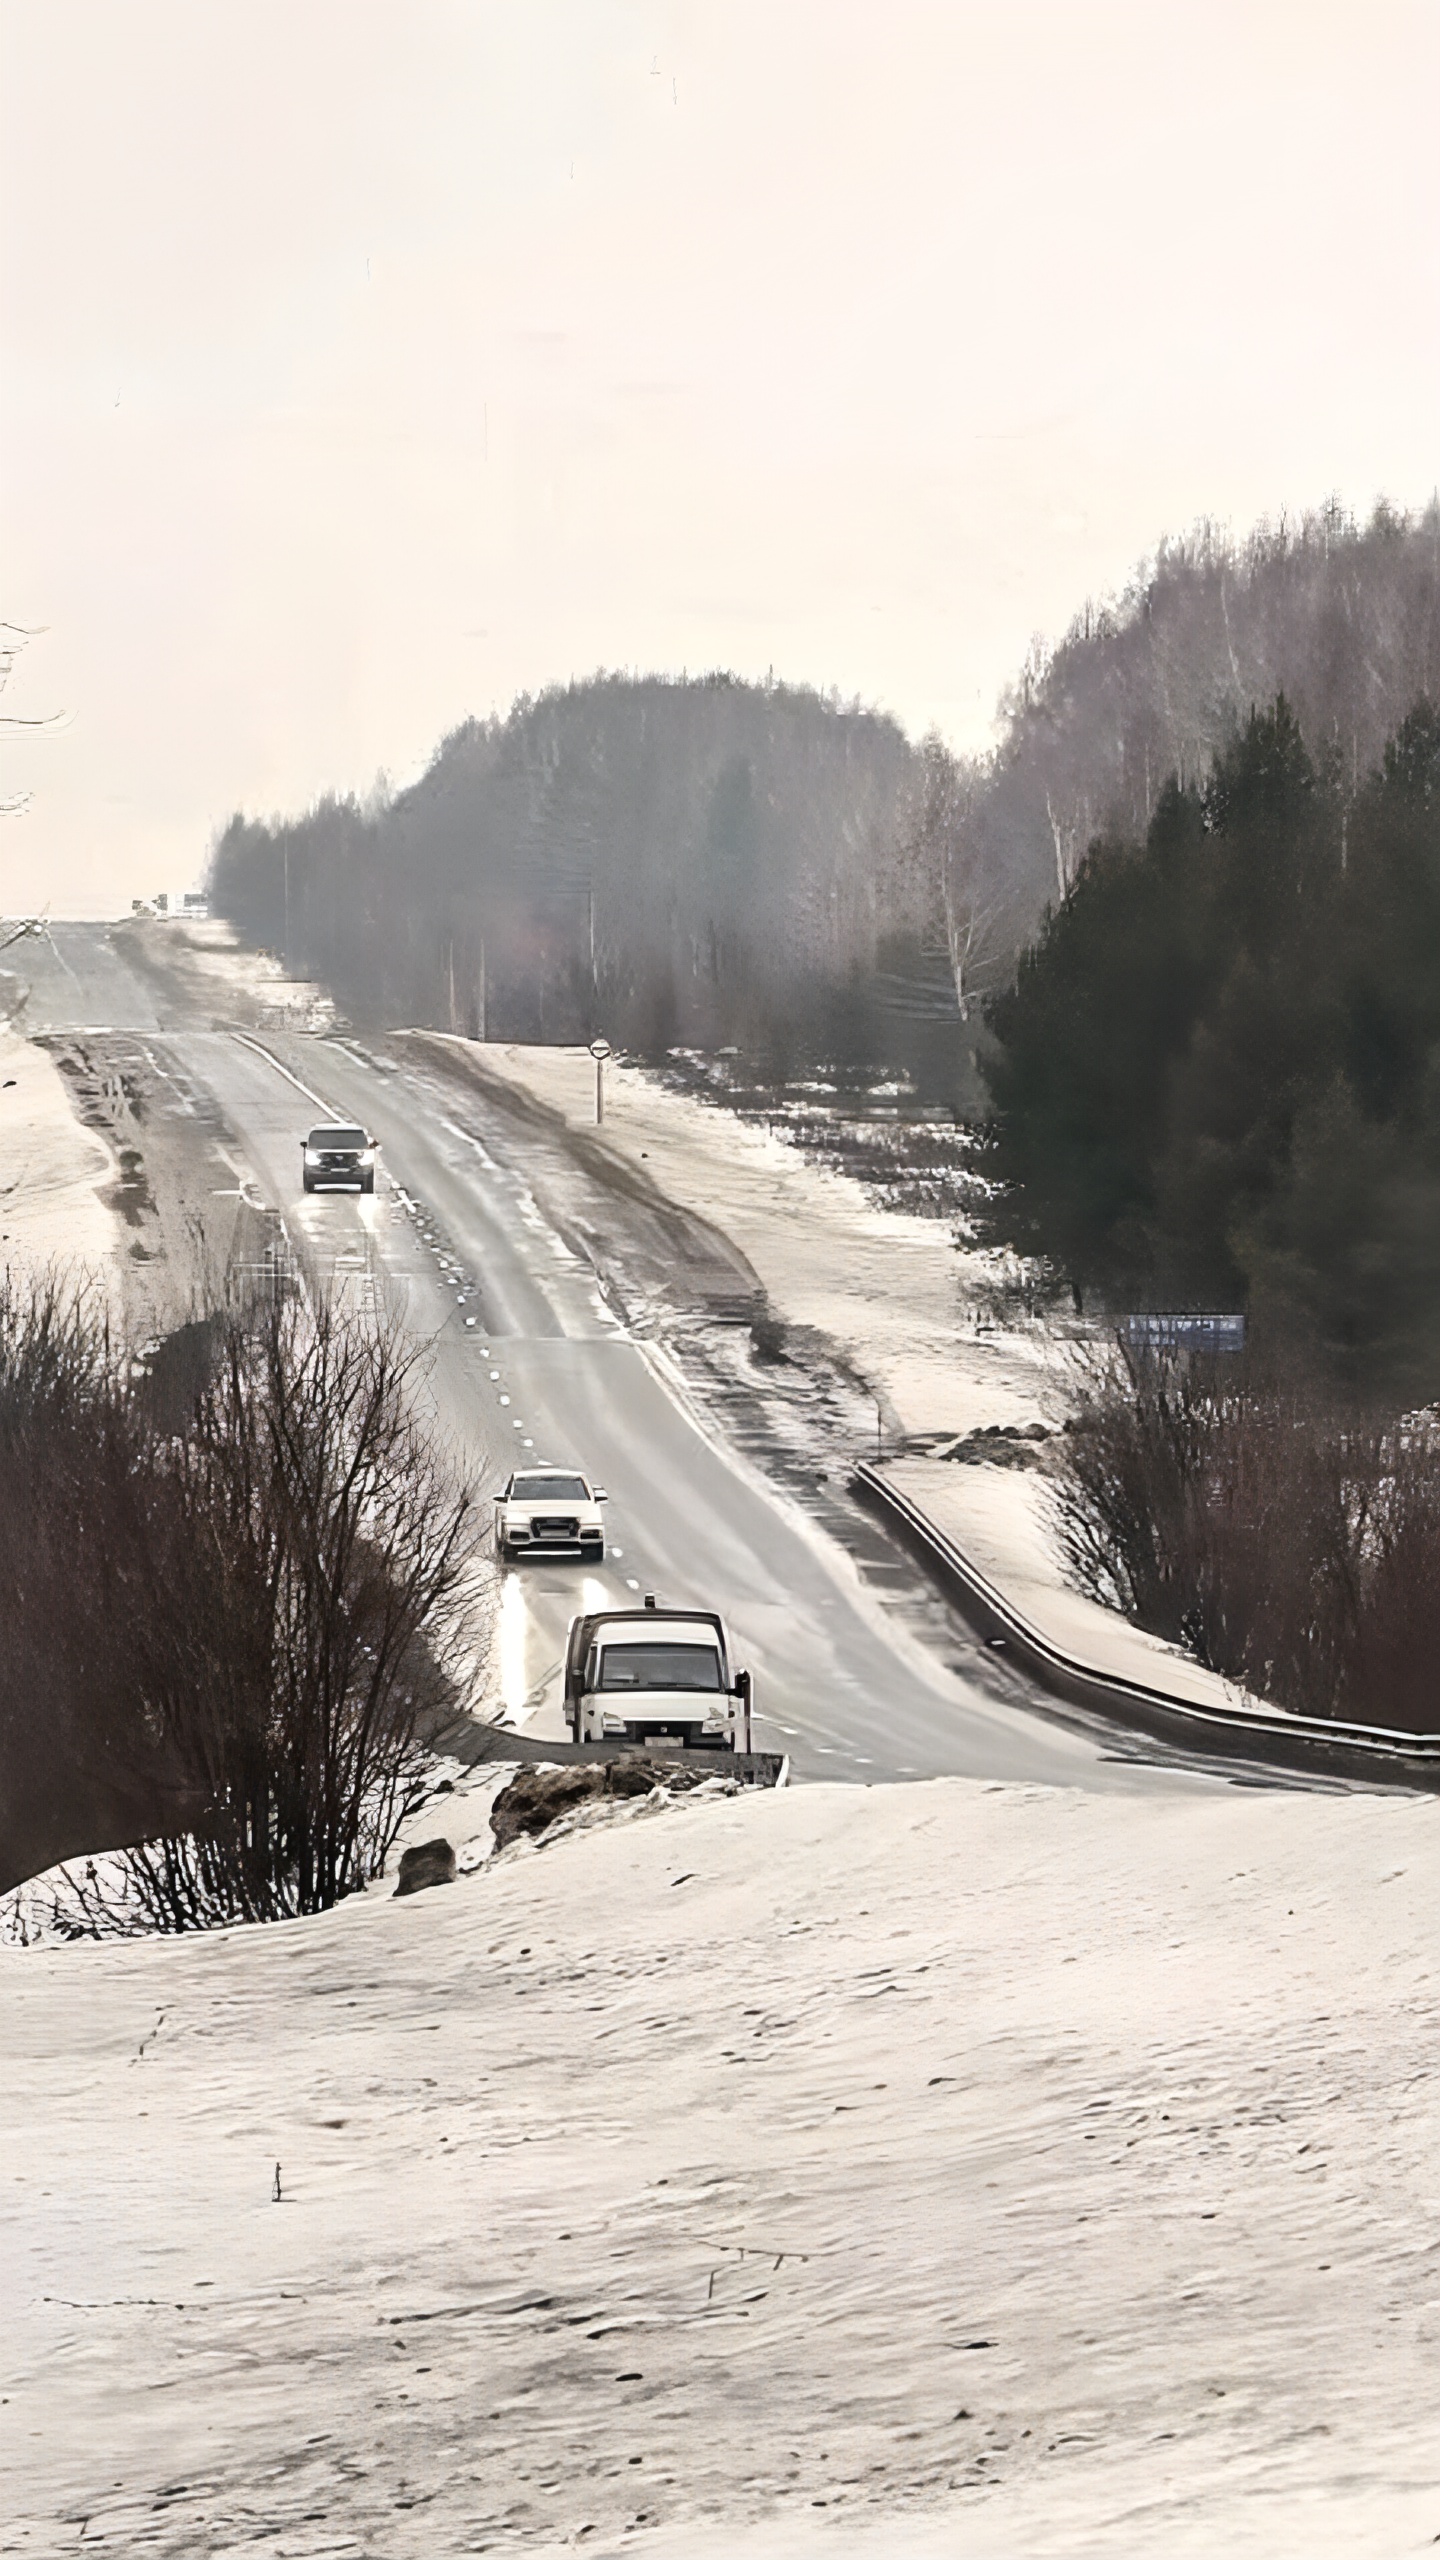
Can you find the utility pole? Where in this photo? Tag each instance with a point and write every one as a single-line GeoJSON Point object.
{"type": "Point", "coordinates": [480, 1009]}
{"type": "Point", "coordinates": [592, 933]}
{"type": "Point", "coordinates": [287, 906]}
{"type": "Point", "coordinates": [452, 981]}
{"type": "Point", "coordinates": [599, 1051]}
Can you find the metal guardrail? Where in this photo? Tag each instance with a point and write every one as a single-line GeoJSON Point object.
{"type": "Point", "coordinates": [1368, 1754]}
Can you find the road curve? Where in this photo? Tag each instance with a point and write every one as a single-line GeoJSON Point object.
{"type": "Point", "coordinates": [530, 1362]}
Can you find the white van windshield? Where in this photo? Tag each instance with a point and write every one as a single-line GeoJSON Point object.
{"type": "Point", "coordinates": [659, 1666]}
{"type": "Point", "coordinates": [549, 1489]}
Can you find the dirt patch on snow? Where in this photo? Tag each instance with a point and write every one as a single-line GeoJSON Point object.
{"type": "Point", "coordinates": [176, 1183]}
{"type": "Point", "coordinates": [535, 1799]}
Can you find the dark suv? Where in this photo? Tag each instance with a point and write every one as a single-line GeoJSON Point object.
{"type": "Point", "coordinates": [338, 1155]}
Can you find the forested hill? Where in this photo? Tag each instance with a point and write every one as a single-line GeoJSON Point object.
{"type": "Point", "coordinates": [1343, 619]}
{"type": "Point", "coordinates": [708, 861]}
{"type": "Point", "coordinates": [660, 859]}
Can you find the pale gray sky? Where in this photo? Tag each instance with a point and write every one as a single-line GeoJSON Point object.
{"type": "Point", "coordinates": [369, 361]}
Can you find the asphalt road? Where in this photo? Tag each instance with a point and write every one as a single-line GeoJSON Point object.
{"type": "Point", "coordinates": [529, 1363]}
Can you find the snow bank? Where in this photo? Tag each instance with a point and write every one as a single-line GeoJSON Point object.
{"type": "Point", "coordinates": [1003, 1523]}
{"type": "Point", "coordinates": [893, 1290]}
{"type": "Point", "coordinates": [944, 2168]}
{"type": "Point", "coordinates": [51, 1168]}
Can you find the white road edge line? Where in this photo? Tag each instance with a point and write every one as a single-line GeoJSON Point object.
{"type": "Point", "coordinates": [272, 1061]}
{"type": "Point", "coordinates": [471, 1141]}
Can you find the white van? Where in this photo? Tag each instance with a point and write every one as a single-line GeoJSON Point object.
{"type": "Point", "coordinates": [639, 1675]}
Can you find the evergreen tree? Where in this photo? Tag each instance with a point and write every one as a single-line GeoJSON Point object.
{"type": "Point", "coordinates": [1217, 1074]}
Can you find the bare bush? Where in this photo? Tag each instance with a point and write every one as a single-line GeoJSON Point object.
{"type": "Point", "coordinates": [277, 1574]}
{"type": "Point", "coordinates": [301, 1672]}
{"type": "Point", "coordinates": [1289, 1545]}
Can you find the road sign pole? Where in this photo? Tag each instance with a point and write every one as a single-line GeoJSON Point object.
{"type": "Point", "coordinates": [599, 1051]}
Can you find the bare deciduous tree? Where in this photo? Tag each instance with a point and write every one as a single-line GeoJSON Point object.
{"type": "Point", "coordinates": [14, 637]}
{"type": "Point", "coordinates": [952, 874]}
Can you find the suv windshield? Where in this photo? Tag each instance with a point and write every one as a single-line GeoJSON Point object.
{"type": "Point", "coordinates": [346, 1141]}
{"type": "Point", "coordinates": [659, 1666]}
{"type": "Point", "coordinates": [549, 1489]}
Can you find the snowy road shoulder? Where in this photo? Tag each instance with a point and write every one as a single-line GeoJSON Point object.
{"type": "Point", "coordinates": [825, 2162]}
{"type": "Point", "coordinates": [890, 1289]}
{"type": "Point", "coordinates": [52, 1170]}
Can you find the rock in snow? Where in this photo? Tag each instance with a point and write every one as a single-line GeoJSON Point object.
{"type": "Point", "coordinates": [429, 1862]}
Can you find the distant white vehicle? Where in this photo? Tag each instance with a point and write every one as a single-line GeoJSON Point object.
{"type": "Point", "coordinates": [635, 1675]}
{"type": "Point", "coordinates": [550, 1511]}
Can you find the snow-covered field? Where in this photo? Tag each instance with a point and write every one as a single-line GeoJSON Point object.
{"type": "Point", "coordinates": [943, 2169]}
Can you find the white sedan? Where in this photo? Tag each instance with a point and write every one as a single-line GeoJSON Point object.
{"type": "Point", "coordinates": [549, 1511]}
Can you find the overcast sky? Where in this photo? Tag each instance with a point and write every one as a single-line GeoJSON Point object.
{"type": "Point", "coordinates": [367, 362]}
